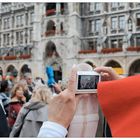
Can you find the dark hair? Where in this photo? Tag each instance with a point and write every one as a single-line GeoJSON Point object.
{"type": "Point", "coordinates": [4, 86]}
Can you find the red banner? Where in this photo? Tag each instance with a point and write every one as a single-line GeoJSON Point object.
{"type": "Point", "coordinates": [120, 103]}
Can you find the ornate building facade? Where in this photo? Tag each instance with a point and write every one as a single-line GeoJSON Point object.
{"type": "Point", "coordinates": [16, 37]}
{"type": "Point", "coordinates": [36, 35]}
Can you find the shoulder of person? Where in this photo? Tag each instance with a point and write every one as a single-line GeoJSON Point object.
{"type": "Point", "coordinates": [3, 95]}
{"type": "Point", "coordinates": [39, 114]}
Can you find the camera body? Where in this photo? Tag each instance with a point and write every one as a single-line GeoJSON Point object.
{"type": "Point", "coordinates": [87, 82]}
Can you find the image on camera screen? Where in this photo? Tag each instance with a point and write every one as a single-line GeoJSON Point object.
{"type": "Point", "coordinates": [87, 81]}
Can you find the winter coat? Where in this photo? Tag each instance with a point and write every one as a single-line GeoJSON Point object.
{"type": "Point", "coordinates": [4, 130]}
{"type": "Point", "coordinates": [30, 118]}
{"type": "Point", "coordinates": [5, 100]}
{"type": "Point", "coordinates": [14, 108]}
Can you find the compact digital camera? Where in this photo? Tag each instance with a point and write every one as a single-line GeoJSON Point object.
{"type": "Point", "coordinates": [87, 82]}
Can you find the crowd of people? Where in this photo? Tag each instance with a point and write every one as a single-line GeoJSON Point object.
{"type": "Point", "coordinates": [18, 96]}
{"type": "Point", "coordinates": [30, 109]}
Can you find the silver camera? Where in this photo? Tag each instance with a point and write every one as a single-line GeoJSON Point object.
{"type": "Point", "coordinates": [87, 81]}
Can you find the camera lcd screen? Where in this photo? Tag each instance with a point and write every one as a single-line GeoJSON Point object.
{"type": "Point", "coordinates": [87, 82]}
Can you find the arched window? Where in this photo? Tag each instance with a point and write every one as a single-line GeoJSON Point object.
{"type": "Point", "coordinates": [116, 66]}
{"type": "Point", "coordinates": [113, 63]}
{"type": "Point", "coordinates": [50, 29]}
{"type": "Point", "coordinates": [91, 64]}
{"type": "Point", "coordinates": [135, 68]}
{"type": "Point", "coordinates": [50, 25]}
{"type": "Point", "coordinates": [11, 70]}
{"type": "Point", "coordinates": [25, 69]}
{"type": "Point", "coordinates": [50, 50]}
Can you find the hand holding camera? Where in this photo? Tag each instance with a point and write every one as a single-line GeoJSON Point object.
{"type": "Point", "coordinates": [87, 79]}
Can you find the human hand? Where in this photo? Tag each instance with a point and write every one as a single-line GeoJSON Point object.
{"type": "Point", "coordinates": [23, 99]}
{"type": "Point", "coordinates": [107, 73]}
{"type": "Point", "coordinates": [61, 108]}
{"type": "Point", "coordinates": [57, 88]}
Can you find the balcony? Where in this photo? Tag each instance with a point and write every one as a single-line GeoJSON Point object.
{"type": "Point", "coordinates": [50, 33]}
{"type": "Point", "coordinates": [111, 50]}
{"type": "Point", "coordinates": [113, 8]}
{"type": "Point", "coordinates": [50, 12]}
{"type": "Point", "coordinates": [97, 11]}
{"type": "Point", "coordinates": [25, 56]}
{"type": "Point", "coordinates": [87, 51]}
{"type": "Point", "coordinates": [121, 7]}
{"type": "Point", "coordinates": [54, 32]}
{"type": "Point", "coordinates": [120, 30]}
{"type": "Point", "coordinates": [12, 57]}
{"type": "Point", "coordinates": [91, 33]}
{"type": "Point", "coordinates": [133, 49]}
{"type": "Point", "coordinates": [113, 31]}
{"type": "Point", "coordinates": [90, 12]}
{"type": "Point", "coordinates": [95, 33]}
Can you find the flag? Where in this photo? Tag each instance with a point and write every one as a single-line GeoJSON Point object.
{"type": "Point", "coordinates": [120, 103]}
{"type": "Point", "coordinates": [50, 74]}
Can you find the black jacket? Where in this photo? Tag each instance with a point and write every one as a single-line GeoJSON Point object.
{"type": "Point", "coordinates": [4, 130]}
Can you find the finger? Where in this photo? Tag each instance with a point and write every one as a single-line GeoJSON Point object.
{"type": "Point", "coordinates": [105, 78]}
{"type": "Point", "coordinates": [105, 75]}
{"type": "Point", "coordinates": [72, 80]}
{"type": "Point", "coordinates": [102, 69]}
{"type": "Point", "coordinates": [110, 71]}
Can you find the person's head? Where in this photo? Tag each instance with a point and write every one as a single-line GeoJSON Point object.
{"type": "Point", "coordinates": [39, 79]}
{"type": "Point", "coordinates": [41, 94]}
{"type": "Point", "coordinates": [24, 83]}
{"type": "Point", "coordinates": [17, 91]}
{"type": "Point", "coordinates": [4, 86]}
{"type": "Point", "coordinates": [28, 78]}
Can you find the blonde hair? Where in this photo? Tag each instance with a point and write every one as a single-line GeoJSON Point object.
{"type": "Point", "coordinates": [15, 88]}
{"type": "Point", "coordinates": [42, 94]}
